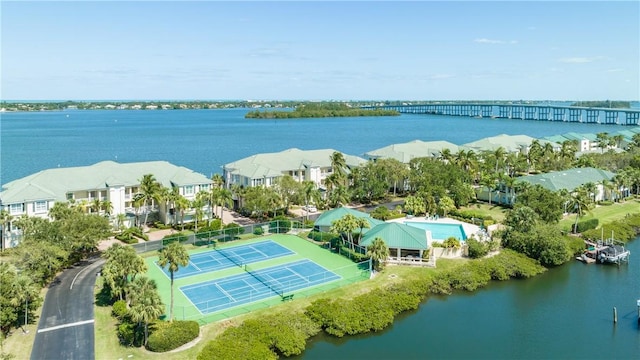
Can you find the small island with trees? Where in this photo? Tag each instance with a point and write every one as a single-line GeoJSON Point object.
{"type": "Point", "coordinates": [603, 104]}
{"type": "Point", "coordinates": [319, 110]}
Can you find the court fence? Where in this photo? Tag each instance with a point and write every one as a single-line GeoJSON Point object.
{"type": "Point", "coordinates": [349, 274]}
{"type": "Point", "coordinates": [210, 238]}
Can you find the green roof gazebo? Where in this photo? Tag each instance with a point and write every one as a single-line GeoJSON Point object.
{"type": "Point", "coordinates": [407, 241]}
{"type": "Point", "coordinates": [324, 222]}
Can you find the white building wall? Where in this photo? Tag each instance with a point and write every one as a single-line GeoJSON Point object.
{"type": "Point", "coordinates": [116, 195]}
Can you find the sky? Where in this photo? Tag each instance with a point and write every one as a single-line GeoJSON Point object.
{"type": "Point", "coordinates": [331, 50]}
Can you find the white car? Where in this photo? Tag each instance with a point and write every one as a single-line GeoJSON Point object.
{"type": "Point", "coordinates": [310, 208]}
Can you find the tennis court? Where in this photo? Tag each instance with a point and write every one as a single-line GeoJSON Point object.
{"type": "Point", "coordinates": [215, 260]}
{"type": "Point", "coordinates": [254, 285]}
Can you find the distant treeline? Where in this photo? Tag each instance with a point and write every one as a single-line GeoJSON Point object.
{"type": "Point", "coordinates": [604, 104]}
{"type": "Point", "coordinates": [319, 110]}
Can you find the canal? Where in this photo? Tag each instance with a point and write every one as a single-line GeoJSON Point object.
{"type": "Point", "coordinates": [566, 313]}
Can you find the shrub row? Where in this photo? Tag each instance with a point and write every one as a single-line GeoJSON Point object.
{"type": "Point", "coordinates": [353, 255]}
{"type": "Point", "coordinates": [321, 236]}
{"type": "Point", "coordinates": [373, 311]}
{"type": "Point", "coordinates": [283, 334]}
{"type": "Point", "coordinates": [171, 335]}
{"type": "Point", "coordinates": [131, 235]}
{"type": "Point", "coordinates": [586, 225]}
{"type": "Point", "coordinates": [622, 230]}
{"type": "Point", "coordinates": [478, 273]}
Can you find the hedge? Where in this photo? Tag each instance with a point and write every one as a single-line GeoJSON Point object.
{"type": "Point", "coordinates": [172, 335]}
{"type": "Point", "coordinates": [586, 225]}
{"type": "Point", "coordinates": [321, 236]}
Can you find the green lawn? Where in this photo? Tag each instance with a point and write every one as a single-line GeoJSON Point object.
{"type": "Point", "coordinates": [604, 214]}
{"type": "Point", "coordinates": [495, 211]}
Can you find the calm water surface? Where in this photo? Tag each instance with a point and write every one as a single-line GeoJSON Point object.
{"type": "Point", "coordinates": [204, 140]}
{"type": "Point", "coordinates": [565, 313]}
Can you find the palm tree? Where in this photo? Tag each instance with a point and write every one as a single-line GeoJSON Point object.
{"type": "Point", "coordinates": [591, 189]}
{"type": "Point", "coordinates": [363, 223]}
{"type": "Point", "coordinates": [379, 252]}
{"type": "Point", "coordinates": [218, 180]}
{"type": "Point", "coordinates": [149, 190]}
{"type": "Point", "coordinates": [197, 205]}
{"type": "Point", "coordinates": [224, 198]}
{"type": "Point", "coordinates": [22, 288]}
{"type": "Point", "coordinates": [580, 203]}
{"type": "Point", "coordinates": [107, 206]}
{"type": "Point", "coordinates": [145, 303]}
{"type": "Point", "coordinates": [96, 205]}
{"type": "Point", "coordinates": [499, 155]}
{"type": "Point", "coordinates": [208, 198]}
{"type": "Point", "coordinates": [5, 220]}
{"type": "Point", "coordinates": [239, 191]}
{"type": "Point", "coordinates": [446, 156]}
{"type": "Point", "coordinates": [181, 204]}
{"type": "Point", "coordinates": [120, 219]}
{"type": "Point", "coordinates": [174, 256]}
{"type": "Point", "coordinates": [345, 226]}
{"type": "Point", "coordinates": [309, 192]}
{"type": "Point", "coordinates": [534, 155]}
{"type": "Point", "coordinates": [338, 164]}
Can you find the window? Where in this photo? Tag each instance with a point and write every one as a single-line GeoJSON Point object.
{"type": "Point", "coordinates": [189, 190]}
{"type": "Point", "coordinates": [69, 196]}
{"type": "Point", "coordinates": [40, 206]}
{"type": "Point", "coordinates": [204, 187]}
{"type": "Point", "coordinates": [16, 209]}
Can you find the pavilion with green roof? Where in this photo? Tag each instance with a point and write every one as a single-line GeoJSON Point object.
{"type": "Point", "coordinates": [324, 221]}
{"type": "Point", "coordinates": [402, 240]}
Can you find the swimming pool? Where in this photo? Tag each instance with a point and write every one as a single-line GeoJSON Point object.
{"type": "Point", "coordinates": [441, 231]}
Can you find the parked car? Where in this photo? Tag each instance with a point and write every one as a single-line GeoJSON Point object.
{"type": "Point", "coordinates": [309, 208]}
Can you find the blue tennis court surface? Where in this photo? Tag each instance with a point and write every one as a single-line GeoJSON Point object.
{"type": "Point", "coordinates": [215, 295]}
{"type": "Point", "coordinates": [229, 257]}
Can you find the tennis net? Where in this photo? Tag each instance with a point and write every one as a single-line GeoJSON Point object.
{"type": "Point", "coordinates": [265, 282]}
{"type": "Point", "coordinates": [232, 258]}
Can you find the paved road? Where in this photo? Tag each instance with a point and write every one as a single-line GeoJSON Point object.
{"type": "Point", "coordinates": [65, 330]}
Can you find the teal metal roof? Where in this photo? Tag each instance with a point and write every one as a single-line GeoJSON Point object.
{"type": "Point", "coordinates": [397, 236]}
{"type": "Point", "coordinates": [54, 184]}
{"type": "Point", "coordinates": [275, 164]}
{"type": "Point", "coordinates": [556, 138]}
{"type": "Point", "coordinates": [511, 143]}
{"type": "Point", "coordinates": [328, 217]}
{"type": "Point", "coordinates": [568, 179]}
{"type": "Point", "coordinates": [414, 149]}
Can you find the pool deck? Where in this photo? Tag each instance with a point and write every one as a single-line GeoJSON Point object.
{"type": "Point", "coordinates": [469, 229]}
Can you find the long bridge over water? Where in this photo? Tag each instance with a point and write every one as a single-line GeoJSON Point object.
{"type": "Point", "coordinates": [537, 112]}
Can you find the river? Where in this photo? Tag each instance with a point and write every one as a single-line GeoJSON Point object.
{"type": "Point", "coordinates": [565, 313]}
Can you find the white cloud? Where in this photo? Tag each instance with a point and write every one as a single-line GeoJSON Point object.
{"type": "Point", "coordinates": [579, 60]}
{"type": "Point", "coordinates": [441, 76]}
{"type": "Point", "coordinates": [613, 70]}
{"type": "Point", "coordinates": [494, 41]}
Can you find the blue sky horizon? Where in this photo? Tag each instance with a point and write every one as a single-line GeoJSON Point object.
{"type": "Point", "coordinates": [301, 50]}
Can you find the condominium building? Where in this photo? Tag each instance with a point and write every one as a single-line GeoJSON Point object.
{"type": "Point", "coordinates": [264, 169]}
{"type": "Point", "coordinates": [106, 181]}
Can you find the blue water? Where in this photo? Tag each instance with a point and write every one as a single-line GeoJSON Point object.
{"type": "Point", "coordinates": [441, 231]}
{"type": "Point", "coordinates": [204, 140]}
{"type": "Point", "coordinates": [565, 313]}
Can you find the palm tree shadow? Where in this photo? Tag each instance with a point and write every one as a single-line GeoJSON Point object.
{"type": "Point", "coordinates": [103, 298]}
